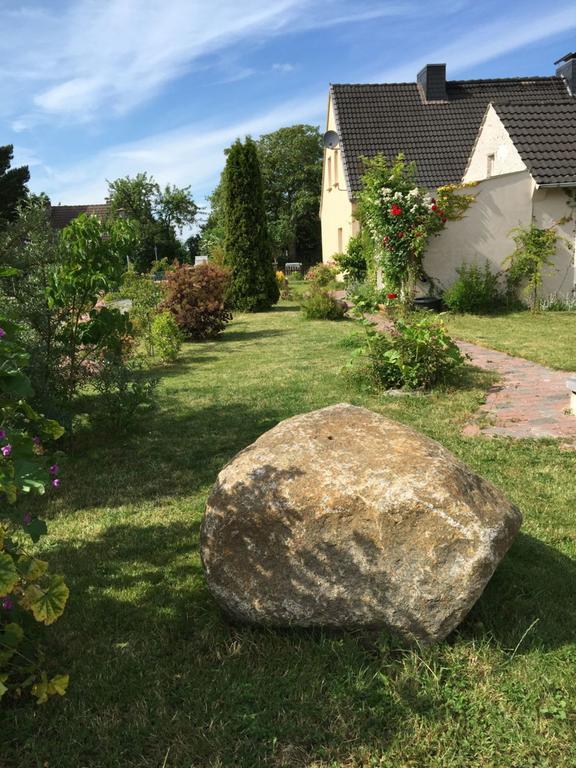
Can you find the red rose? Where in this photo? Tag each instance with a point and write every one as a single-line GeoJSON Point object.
{"type": "Point", "coordinates": [395, 210]}
{"type": "Point", "coordinates": [434, 207]}
{"type": "Point", "coordinates": [391, 295]}
{"type": "Point", "coordinates": [400, 234]}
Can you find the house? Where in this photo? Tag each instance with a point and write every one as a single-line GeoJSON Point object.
{"type": "Point", "coordinates": [516, 137]}
{"type": "Point", "coordinates": [62, 215]}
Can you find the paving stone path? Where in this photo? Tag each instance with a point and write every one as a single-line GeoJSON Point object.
{"type": "Point", "coordinates": [528, 401]}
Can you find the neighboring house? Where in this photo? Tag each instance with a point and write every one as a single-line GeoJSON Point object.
{"type": "Point", "coordinates": [62, 215]}
{"type": "Point", "coordinates": [515, 136]}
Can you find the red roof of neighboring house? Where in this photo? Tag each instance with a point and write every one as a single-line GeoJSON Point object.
{"type": "Point", "coordinates": [62, 215]}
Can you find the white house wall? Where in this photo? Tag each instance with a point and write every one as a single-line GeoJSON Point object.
{"type": "Point", "coordinates": [493, 141]}
{"type": "Point", "coordinates": [483, 235]}
{"type": "Point", "coordinates": [336, 212]}
{"type": "Point", "coordinates": [550, 206]}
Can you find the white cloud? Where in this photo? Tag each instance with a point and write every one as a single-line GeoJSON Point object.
{"type": "Point", "coordinates": [284, 68]}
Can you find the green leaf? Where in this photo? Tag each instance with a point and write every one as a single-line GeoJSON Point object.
{"type": "Point", "coordinates": [31, 568]}
{"type": "Point", "coordinates": [36, 529]}
{"type": "Point", "coordinates": [9, 271]}
{"type": "Point", "coordinates": [47, 604]}
{"type": "Point", "coordinates": [8, 573]}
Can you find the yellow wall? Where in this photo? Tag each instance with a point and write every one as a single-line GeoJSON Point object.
{"type": "Point", "coordinates": [335, 206]}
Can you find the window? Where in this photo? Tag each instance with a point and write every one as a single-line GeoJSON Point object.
{"type": "Point", "coordinates": [329, 173]}
{"type": "Point", "coordinates": [336, 167]}
{"type": "Point", "coordinates": [490, 165]}
{"type": "Point", "coordinates": [340, 240]}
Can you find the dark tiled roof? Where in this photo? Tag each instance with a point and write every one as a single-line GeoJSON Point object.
{"type": "Point", "coordinates": [62, 215]}
{"type": "Point", "coordinates": [393, 118]}
{"type": "Point", "coordinates": [545, 136]}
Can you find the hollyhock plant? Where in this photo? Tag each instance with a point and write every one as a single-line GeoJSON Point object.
{"type": "Point", "coordinates": [401, 217]}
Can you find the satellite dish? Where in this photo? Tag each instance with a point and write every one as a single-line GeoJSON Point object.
{"type": "Point", "coordinates": [331, 140]}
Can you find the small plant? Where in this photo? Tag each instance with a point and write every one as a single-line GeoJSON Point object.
{"type": "Point", "coordinates": [366, 298]}
{"type": "Point", "coordinates": [145, 294]}
{"type": "Point", "coordinates": [417, 353]}
{"type": "Point", "coordinates": [319, 304]}
{"type": "Point", "coordinates": [352, 263]}
{"type": "Point", "coordinates": [125, 390]}
{"type": "Point", "coordinates": [476, 290]}
{"type": "Point", "coordinates": [166, 337]}
{"type": "Point", "coordinates": [558, 302]}
{"type": "Point", "coordinates": [322, 275]}
{"type": "Point", "coordinates": [535, 248]}
{"type": "Point", "coordinates": [283, 285]}
{"type": "Point", "coordinates": [195, 296]}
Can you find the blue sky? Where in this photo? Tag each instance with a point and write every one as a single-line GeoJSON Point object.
{"type": "Point", "coordinates": [96, 89]}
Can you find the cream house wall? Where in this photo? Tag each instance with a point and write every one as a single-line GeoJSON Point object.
{"type": "Point", "coordinates": [493, 142]}
{"type": "Point", "coordinates": [336, 209]}
{"type": "Point", "coordinates": [550, 207]}
{"type": "Point", "coordinates": [483, 235]}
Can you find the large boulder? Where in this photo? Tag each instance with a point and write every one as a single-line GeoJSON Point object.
{"type": "Point", "coordinates": [344, 518]}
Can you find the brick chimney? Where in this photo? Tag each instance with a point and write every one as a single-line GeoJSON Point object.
{"type": "Point", "coordinates": [432, 82]}
{"type": "Point", "coordinates": [567, 70]}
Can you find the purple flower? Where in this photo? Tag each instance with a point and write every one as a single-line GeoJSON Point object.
{"type": "Point", "coordinates": [27, 518]}
{"type": "Point", "coordinates": [6, 450]}
{"type": "Point", "coordinates": [2, 333]}
{"type": "Point", "coordinates": [7, 604]}
{"type": "Point", "coordinates": [36, 440]}
{"type": "Point", "coordinates": [54, 469]}
{"type": "Point", "coordinates": [56, 483]}
{"type": "Point", "coordinates": [2, 434]}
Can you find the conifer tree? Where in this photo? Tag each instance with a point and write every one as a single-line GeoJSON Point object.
{"type": "Point", "coordinates": [12, 185]}
{"type": "Point", "coordinates": [253, 286]}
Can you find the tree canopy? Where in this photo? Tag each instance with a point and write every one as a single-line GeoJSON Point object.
{"type": "Point", "coordinates": [161, 214]}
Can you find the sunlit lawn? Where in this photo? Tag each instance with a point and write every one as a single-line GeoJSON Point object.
{"type": "Point", "coordinates": [160, 680]}
{"type": "Point", "coordinates": [545, 337]}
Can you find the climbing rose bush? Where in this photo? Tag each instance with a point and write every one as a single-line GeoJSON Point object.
{"type": "Point", "coordinates": [26, 585]}
{"type": "Point", "coordinates": [401, 217]}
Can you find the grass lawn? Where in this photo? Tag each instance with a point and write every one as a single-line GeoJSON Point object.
{"type": "Point", "coordinates": [547, 337]}
{"type": "Point", "coordinates": [160, 680]}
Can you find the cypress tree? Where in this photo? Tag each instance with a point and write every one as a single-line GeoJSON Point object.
{"type": "Point", "coordinates": [253, 286]}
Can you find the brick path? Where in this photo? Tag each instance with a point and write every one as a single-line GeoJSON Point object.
{"type": "Point", "coordinates": [528, 401]}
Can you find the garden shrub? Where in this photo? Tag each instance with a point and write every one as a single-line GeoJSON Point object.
{"type": "Point", "coordinates": [196, 298]}
{"type": "Point", "coordinates": [146, 294]}
{"type": "Point", "coordinates": [534, 250]}
{"type": "Point", "coordinates": [166, 337]}
{"type": "Point", "coordinates": [125, 390]}
{"type": "Point", "coordinates": [352, 263]}
{"type": "Point", "coordinates": [319, 304]}
{"type": "Point", "coordinates": [417, 353]}
{"type": "Point", "coordinates": [475, 290]}
{"type": "Point", "coordinates": [26, 585]}
{"type": "Point", "coordinates": [366, 298]}
{"type": "Point", "coordinates": [322, 275]}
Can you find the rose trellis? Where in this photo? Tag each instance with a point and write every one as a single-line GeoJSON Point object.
{"type": "Point", "coordinates": [401, 217]}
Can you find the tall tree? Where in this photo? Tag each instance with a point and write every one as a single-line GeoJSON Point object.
{"type": "Point", "coordinates": [291, 163]}
{"type": "Point", "coordinates": [13, 187]}
{"type": "Point", "coordinates": [161, 215]}
{"type": "Point", "coordinates": [248, 253]}
{"type": "Point", "coordinates": [291, 167]}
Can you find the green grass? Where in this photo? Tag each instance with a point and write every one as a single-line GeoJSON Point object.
{"type": "Point", "coordinates": [548, 338]}
{"type": "Point", "coordinates": [160, 680]}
